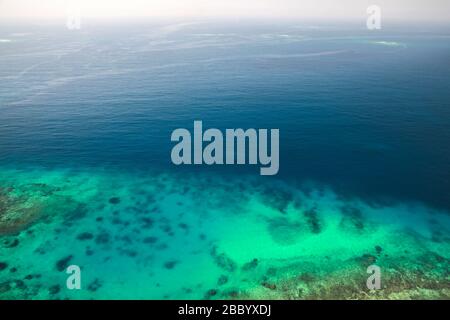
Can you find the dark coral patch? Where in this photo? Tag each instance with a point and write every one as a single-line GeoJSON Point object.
{"type": "Point", "coordinates": [250, 265]}
{"type": "Point", "coordinates": [268, 285]}
{"type": "Point", "coordinates": [353, 216]}
{"type": "Point", "coordinates": [150, 240]}
{"type": "Point", "coordinates": [278, 199]}
{"type": "Point", "coordinates": [85, 236]}
{"type": "Point", "coordinates": [210, 293]}
{"type": "Point", "coordinates": [313, 220]}
{"type": "Point", "coordinates": [223, 261]}
{"type": "Point", "coordinates": [366, 260]}
{"type": "Point", "coordinates": [167, 229]}
{"type": "Point", "coordinates": [127, 252]}
{"type": "Point", "coordinates": [3, 266]}
{"type": "Point", "coordinates": [114, 200]}
{"type": "Point", "coordinates": [79, 212]}
{"type": "Point", "coordinates": [223, 279]}
{"type": "Point", "coordinates": [170, 264]}
{"type": "Point", "coordinates": [55, 289]}
{"type": "Point", "coordinates": [10, 243]}
{"type": "Point", "coordinates": [147, 222]}
{"type": "Point", "coordinates": [19, 284]}
{"type": "Point", "coordinates": [5, 287]}
{"type": "Point", "coordinates": [63, 263]}
{"type": "Point", "coordinates": [94, 285]}
{"type": "Point", "coordinates": [306, 277]}
{"type": "Point", "coordinates": [183, 226]}
{"type": "Point", "coordinates": [102, 238]}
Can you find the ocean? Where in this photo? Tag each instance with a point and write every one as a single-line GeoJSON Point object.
{"type": "Point", "coordinates": [86, 176]}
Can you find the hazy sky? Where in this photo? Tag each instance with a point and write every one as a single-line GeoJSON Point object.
{"type": "Point", "coordinates": [433, 10]}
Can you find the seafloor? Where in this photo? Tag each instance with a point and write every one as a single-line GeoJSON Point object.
{"type": "Point", "coordinates": [147, 235]}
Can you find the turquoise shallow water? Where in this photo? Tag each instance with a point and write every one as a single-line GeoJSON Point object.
{"type": "Point", "coordinates": [86, 178]}
{"type": "Point", "coordinates": [155, 236]}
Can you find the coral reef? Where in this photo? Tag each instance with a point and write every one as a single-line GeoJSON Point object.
{"type": "Point", "coordinates": [17, 212]}
{"type": "Point", "coordinates": [277, 242]}
{"type": "Point", "coordinates": [402, 279]}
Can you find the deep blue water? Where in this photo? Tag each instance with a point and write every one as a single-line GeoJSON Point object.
{"type": "Point", "coordinates": [367, 113]}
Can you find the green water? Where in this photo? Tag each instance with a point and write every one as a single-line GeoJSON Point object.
{"type": "Point", "coordinates": [153, 235]}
